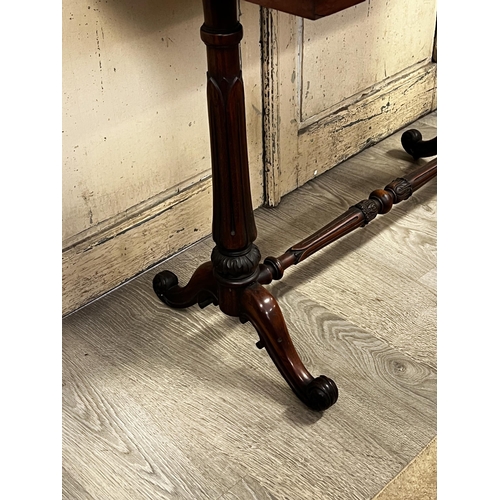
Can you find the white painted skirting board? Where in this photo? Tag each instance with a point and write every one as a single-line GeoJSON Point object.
{"type": "Point", "coordinates": [110, 258]}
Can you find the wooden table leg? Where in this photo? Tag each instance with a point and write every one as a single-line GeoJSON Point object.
{"type": "Point", "coordinates": [230, 279]}
{"type": "Point", "coordinates": [234, 277]}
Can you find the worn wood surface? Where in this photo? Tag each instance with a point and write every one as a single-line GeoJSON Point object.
{"type": "Point", "coordinates": [322, 105]}
{"type": "Point", "coordinates": [180, 404]}
{"type": "Point", "coordinates": [113, 256]}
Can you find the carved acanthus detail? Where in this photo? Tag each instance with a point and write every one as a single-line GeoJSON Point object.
{"type": "Point", "coordinates": [236, 265]}
{"type": "Point", "coordinates": [401, 188]}
{"type": "Point", "coordinates": [369, 209]}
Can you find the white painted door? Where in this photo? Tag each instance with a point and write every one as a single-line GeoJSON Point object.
{"type": "Point", "coordinates": [336, 85]}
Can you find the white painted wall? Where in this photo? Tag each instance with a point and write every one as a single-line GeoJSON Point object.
{"type": "Point", "coordinates": [136, 154]}
{"type": "Point", "coordinates": [350, 52]}
{"type": "Point", "coordinates": [135, 126]}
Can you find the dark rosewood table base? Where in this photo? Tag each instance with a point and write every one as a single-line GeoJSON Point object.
{"type": "Point", "coordinates": [413, 144]}
{"type": "Point", "coordinates": [235, 276]}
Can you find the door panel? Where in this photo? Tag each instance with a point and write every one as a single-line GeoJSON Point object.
{"type": "Point", "coordinates": [336, 85]}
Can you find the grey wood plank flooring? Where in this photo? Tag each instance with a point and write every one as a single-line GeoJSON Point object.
{"type": "Point", "coordinates": [180, 404]}
{"type": "Point", "coordinates": [374, 276]}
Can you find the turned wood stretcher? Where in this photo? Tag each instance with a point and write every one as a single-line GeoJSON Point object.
{"type": "Point", "coordinates": [234, 277]}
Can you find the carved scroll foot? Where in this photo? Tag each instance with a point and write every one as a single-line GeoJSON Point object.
{"type": "Point", "coordinates": [201, 289]}
{"type": "Point", "coordinates": [262, 310]}
{"type": "Point", "coordinates": [413, 144]}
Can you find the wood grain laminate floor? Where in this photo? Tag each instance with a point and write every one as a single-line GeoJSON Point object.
{"type": "Point", "coordinates": [180, 404]}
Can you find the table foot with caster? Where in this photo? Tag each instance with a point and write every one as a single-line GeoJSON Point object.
{"type": "Point", "coordinates": [262, 310]}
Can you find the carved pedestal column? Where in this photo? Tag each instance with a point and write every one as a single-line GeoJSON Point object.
{"type": "Point", "coordinates": [235, 258]}
{"type": "Point", "coordinates": [230, 280]}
